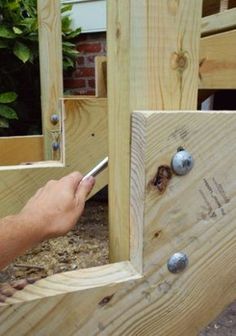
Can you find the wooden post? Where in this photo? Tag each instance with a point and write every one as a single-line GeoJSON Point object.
{"type": "Point", "coordinates": [153, 49]}
{"type": "Point", "coordinates": [196, 214]}
{"type": "Point", "coordinates": [50, 50]}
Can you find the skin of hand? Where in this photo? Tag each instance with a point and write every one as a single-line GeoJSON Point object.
{"type": "Point", "coordinates": [57, 206]}
{"type": "Point", "coordinates": [51, 212]}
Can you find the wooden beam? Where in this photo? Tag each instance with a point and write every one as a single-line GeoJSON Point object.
{"type": "Point", "coordinates": [17, 150]}
{"type": "Point", "coordinates": [50, 52]}
{"type": "Point", "coordinates": [217, 61]}
{"type": "Point", "coordinates": [224, 5]}
{"type": "Point", "coordinates": [219, 22]}
{"type": "Point", "coordinates": [85, 132]}
{"type": "Point", "coordinates": [196, 214]}
{"type": "Point", "coordinates": [101, 76]}
{"type": "Point", "coordinates": [153, 49]}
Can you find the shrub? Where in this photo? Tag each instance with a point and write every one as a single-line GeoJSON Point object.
{"type": "Point", "coordinates": [19, 63]}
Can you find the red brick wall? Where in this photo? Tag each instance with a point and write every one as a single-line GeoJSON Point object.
{"type": "Point", "coordinates": [82, 80]}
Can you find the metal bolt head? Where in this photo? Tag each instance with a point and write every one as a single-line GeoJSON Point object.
{"type": "Point", "coordinates": [54, 119]}
{"type": "Point", "coordinates": [177, 262]}
{"type": "Point", "coordinates": [55, 146]}
{"type": "Point", "coordinates": [182, 162]}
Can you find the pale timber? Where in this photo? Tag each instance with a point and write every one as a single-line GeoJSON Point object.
{"type": "Point", "coordinates": [85, 143]}
{"type": "Point", "coordinates": [196, 214]}
{"type": "Point", "coordinates": [101, 76]}
{"type": "Point", "coordinates": [218, 61]}
{"type": "Point", "coordinates": [146, 70]}
{"type": "Point", "coordinates": [50, 56]}
{"type": "Point", "coordinates": [21, 149]}
{"type": "Point", "coordinates": [219, 22]}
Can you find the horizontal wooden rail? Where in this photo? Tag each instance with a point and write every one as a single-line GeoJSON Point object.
{"type": "Point", "coordinates": [219, 22]}
{"type": "Point", "coordinates": [17, 150]}
{"type": "Point", "coordinates": [218, 61]}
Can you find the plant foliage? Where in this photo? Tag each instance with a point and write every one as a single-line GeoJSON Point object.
{"type": "Point", "coordinates": [19, 58]}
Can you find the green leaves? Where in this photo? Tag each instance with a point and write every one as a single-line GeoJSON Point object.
{"type": "Point", "coordinates": [6, 32]}
{"type": "Point", "coordinates": [7, 97]}
{"type": "Point", "coordinates": [21, 51]}
{"type": "Point", "coordinates": [4, 123]}
{"type": "Point", "coordinates": [19, 55]}
{"type": "Point", "coordinates": [7, 112]}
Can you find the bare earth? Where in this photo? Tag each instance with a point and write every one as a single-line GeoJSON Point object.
{"type": "Point", "coordinates": [87, 246]}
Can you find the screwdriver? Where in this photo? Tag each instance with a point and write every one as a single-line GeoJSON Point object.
{"type": "Point", "coordinates": [97, 169]}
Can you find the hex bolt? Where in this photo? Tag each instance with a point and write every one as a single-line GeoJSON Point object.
{"type": "Point", "coordinates": [182, 162]}
{"type": "Point", "coordinates": [177, 262]}
{"type": "Point", "coordinates": [55, 146]}
{"type": "Point", "coordinates": [54, 119]}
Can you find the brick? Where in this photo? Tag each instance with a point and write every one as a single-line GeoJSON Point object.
{"type": "Point", "coordinates": [80, 60]}
{"type": "Point", "coordinates": [85, 72]}
{"type": "Point", "coordinates": [91, 83]}
{"type": "Point", "coordinates": [90, 59]}
{"type": "Point", "coordinates": [70, 83]}
{"type": "Point", "coordinates": [90, 47]}
{"type": "Point", "coordinates": [90, 92]}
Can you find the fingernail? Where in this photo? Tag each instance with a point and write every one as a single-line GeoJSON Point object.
{"type": "Point", "coordinates": [90, 179]}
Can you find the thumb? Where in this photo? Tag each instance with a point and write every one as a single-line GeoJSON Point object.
{"type": "Point", "coordinates": [84, 188]}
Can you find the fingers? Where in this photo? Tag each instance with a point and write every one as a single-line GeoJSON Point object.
{"type": "Point", "coordinates": [84, 189]}
{"type": "Point", "coordinates": [72, 180]}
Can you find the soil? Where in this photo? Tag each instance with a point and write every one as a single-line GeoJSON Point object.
{"type": "Point", "coordinates": [87, 246]}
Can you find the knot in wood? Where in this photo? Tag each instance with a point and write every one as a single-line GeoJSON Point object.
{"type": "Point", "coordinates": [162, 178]}
{"type": "Point", "coordinates": [179, 61]}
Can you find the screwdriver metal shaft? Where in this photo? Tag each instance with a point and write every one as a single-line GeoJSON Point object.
{"type": "Point", "coordinates": [98, 169]}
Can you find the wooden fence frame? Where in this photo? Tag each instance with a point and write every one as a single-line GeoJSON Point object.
{"type": "Point", "coordinates": [137, 295]}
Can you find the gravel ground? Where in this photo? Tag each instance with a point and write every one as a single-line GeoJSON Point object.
{"type": "Point", "coordinates": [86, 246]}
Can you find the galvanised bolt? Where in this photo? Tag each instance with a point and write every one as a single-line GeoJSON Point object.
{"type": "Point", "coordinates": [55, 146]}
{"type": "Point", "coordinates": [54, 119]}
{"type": "Point", "coordinates": [182, 162]}
{"type": "Point", "coordinates": [177, 262]}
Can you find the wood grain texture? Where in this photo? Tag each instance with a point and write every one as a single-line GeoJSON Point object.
{"type": "Point", "coordinates": [85, 129]}
{"type": "Point", "coordinates": [224, 4]}
{"type": "Point", "coordinates": [195, 215]}
{"type": "Point", "coordinates": [219, 22]}
{"type": "Point", "coordinates": [50, 52]}
{"type": "Point", "coordinates": [16, 150]}
{"type": "Point", "coordinates": [217, 61]}
{"type": "Point", "coordinates": [153, 49]}
{"type": "Point", "coordinates": [101, 76]}
{"type": "Point", "coordinates": [113, 300]}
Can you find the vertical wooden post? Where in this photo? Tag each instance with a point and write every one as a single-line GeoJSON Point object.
{"type": "Point", "coordinates": [50, 50]}
{"type": "Point", "coordinates": [153, 63]}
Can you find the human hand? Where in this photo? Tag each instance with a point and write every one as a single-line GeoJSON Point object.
{"type": "Point", "coordinates": [56, 207]}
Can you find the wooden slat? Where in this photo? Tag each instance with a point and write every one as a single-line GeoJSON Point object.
{"type": "Point", "coordinates": [85, 145]}
{"type": "Point", "coordinates": [50, 50]}
{"type": "Point", "coordinates": [218, 61]}
{"type": "Point", "coordinates": [16, 150]}
{"type": "Point", "coordinates": [219, 22]}
{"type": "Point", "coordinates": [114, 300]}
{"type": "Point", "coordinates": [196, 215]}
{"type": "Point", "coordinates": [224, 5]}
{"type": "Point", "coordinates": [101, 76]}
{"type": "Point", "coordinates": [146, 70]}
